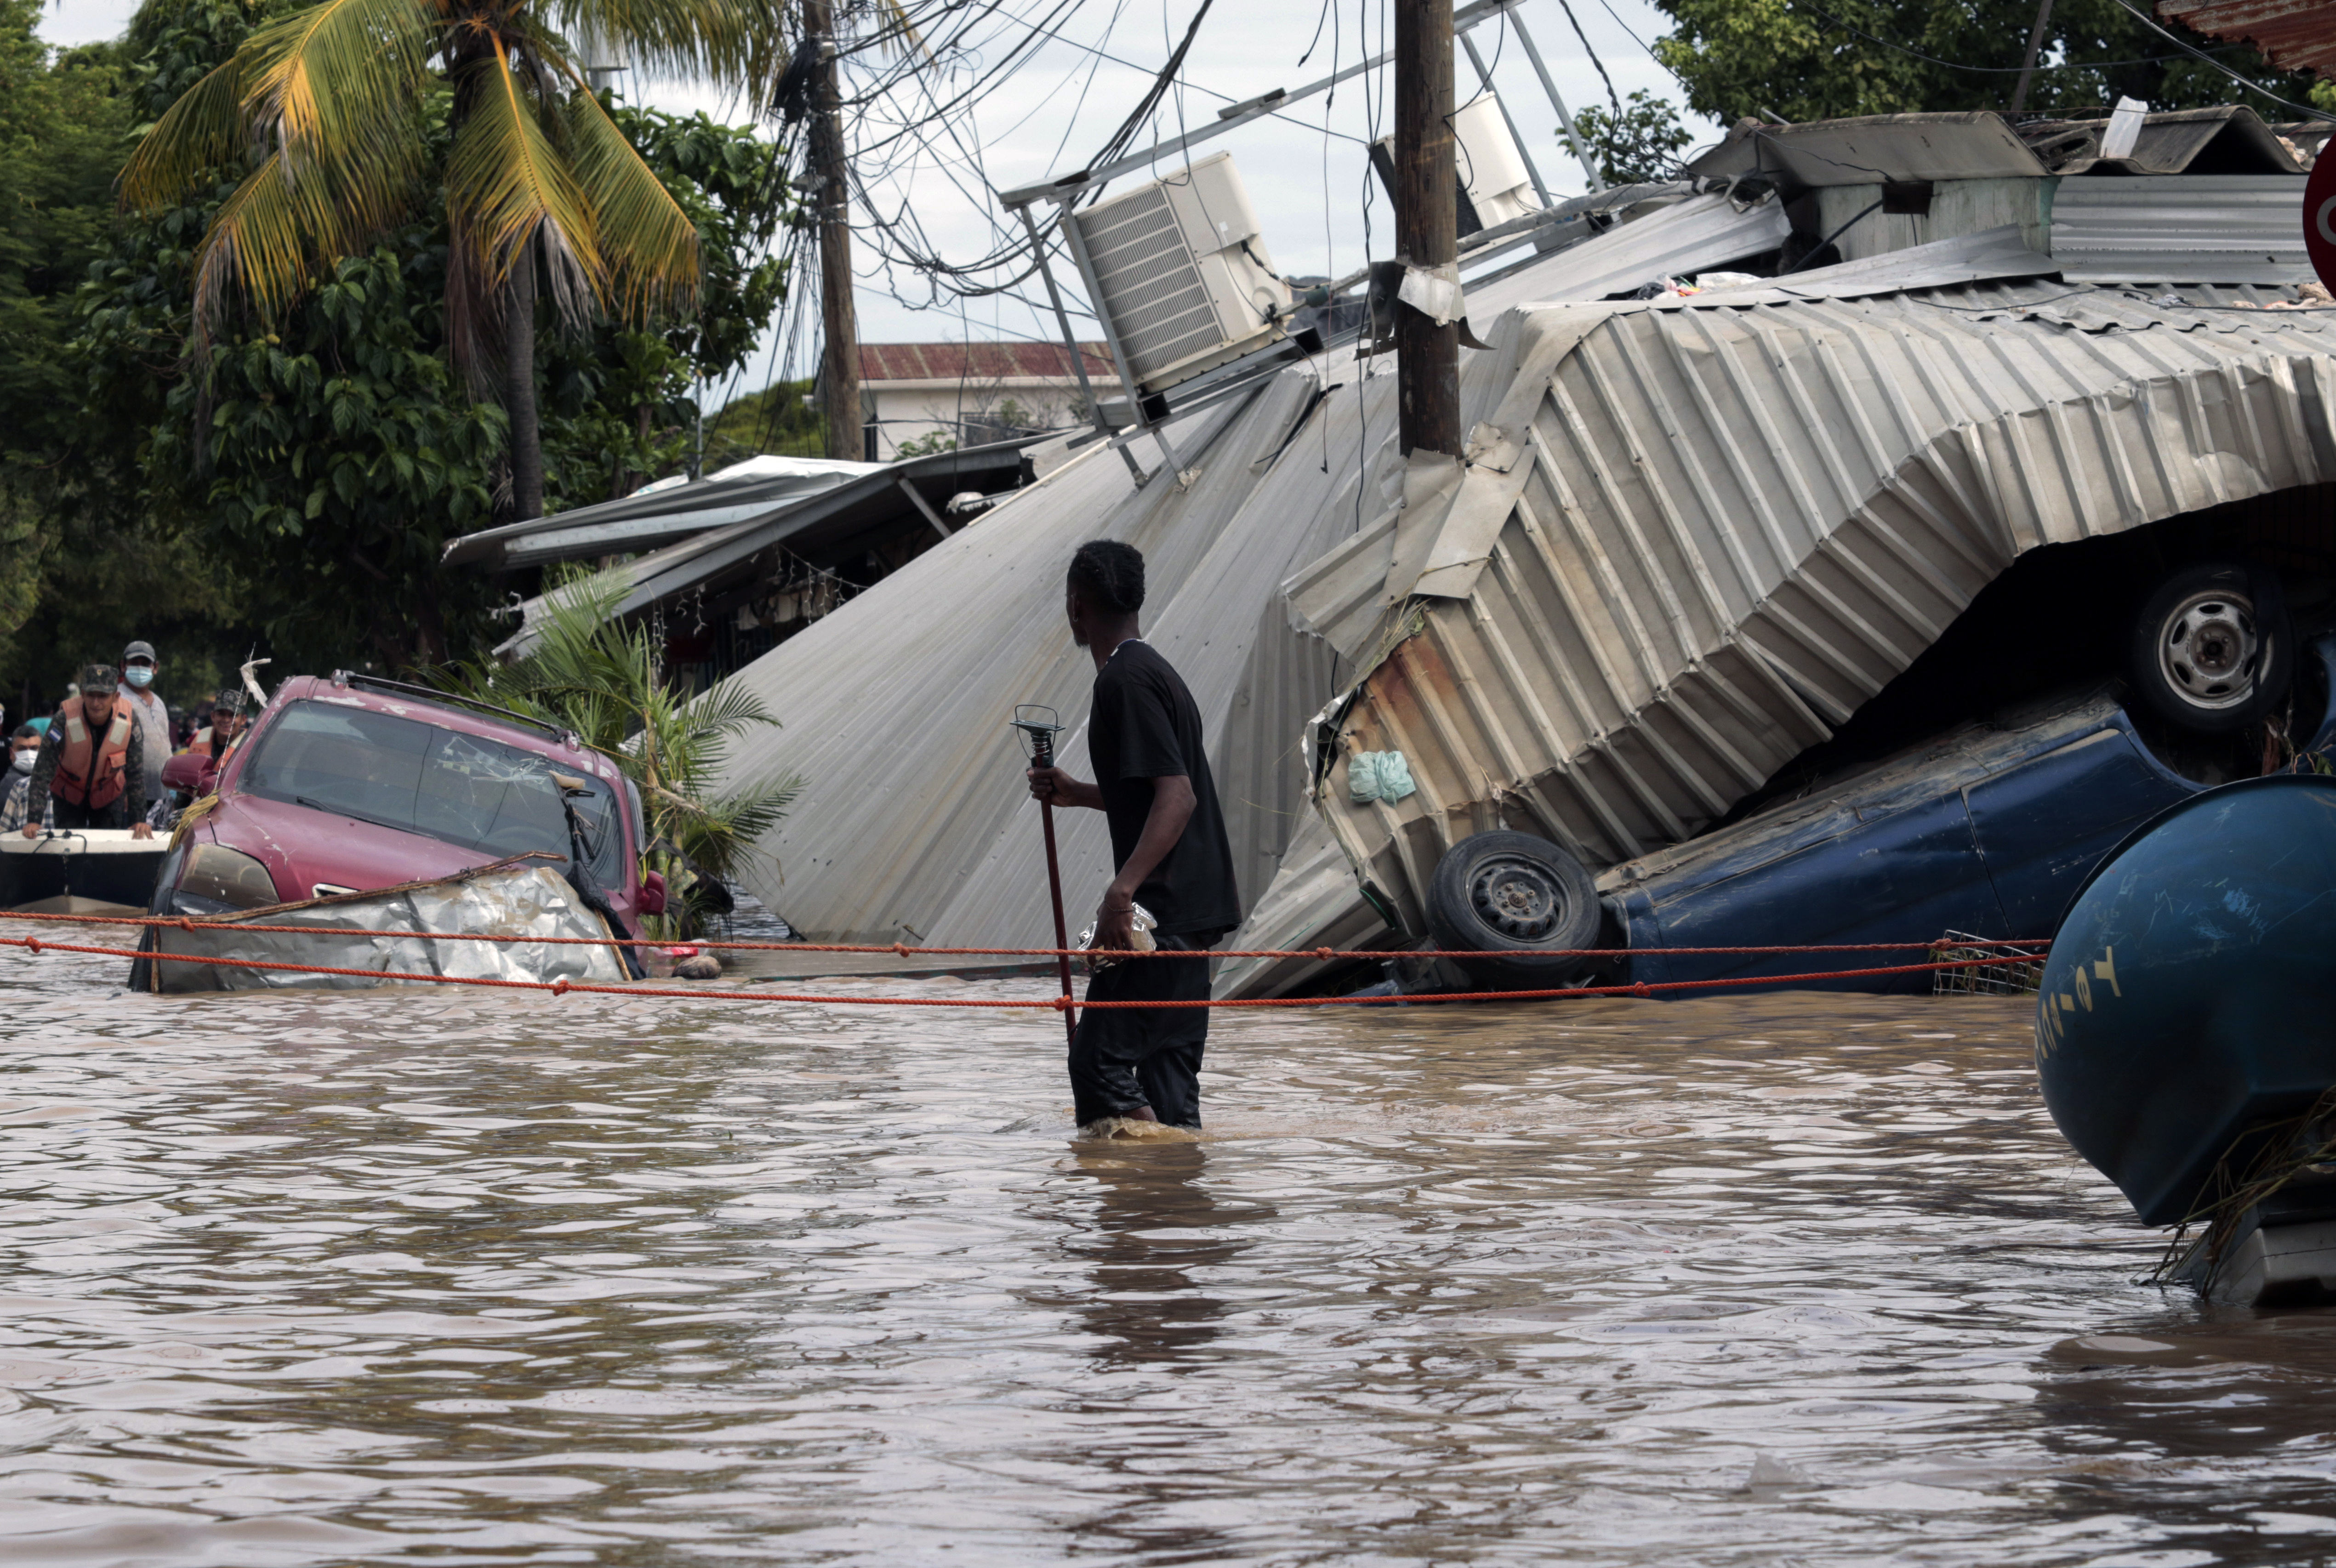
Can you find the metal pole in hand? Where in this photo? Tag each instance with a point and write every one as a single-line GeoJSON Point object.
{"type": "Point", "coordinates": [1039, 725]}
{"type": "Point", "coordinates": [1045, 758]}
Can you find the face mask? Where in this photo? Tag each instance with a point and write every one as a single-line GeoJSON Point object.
{"type": "Point", "coordinates": [137, 676]}
{"type": "Point", "coordinates": [24, 760]}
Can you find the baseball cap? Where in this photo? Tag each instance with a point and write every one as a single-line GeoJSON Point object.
{"type": "Point", "coordinates": [100, 680]}
{"type": "Point", "coordinates": [144, 650]}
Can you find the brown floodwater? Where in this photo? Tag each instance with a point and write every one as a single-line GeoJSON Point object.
{"type": "Point", "coordinates": [482, 1279]}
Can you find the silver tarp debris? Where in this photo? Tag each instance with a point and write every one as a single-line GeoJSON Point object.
{"type": "Point", "coordinates": [376, 932]}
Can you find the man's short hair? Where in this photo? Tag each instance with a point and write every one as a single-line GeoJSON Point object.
{"type": "Point", "coordinates": [23, 731]}
{"type": "Point", "coordinates": [1109, 575]}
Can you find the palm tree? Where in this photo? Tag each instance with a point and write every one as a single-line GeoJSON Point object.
{"type": "Point", "coordinates": [325, 109]}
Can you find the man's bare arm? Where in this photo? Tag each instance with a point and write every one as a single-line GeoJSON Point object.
{"type": "Point", "coordinates": [1172, 801]}
{"type": "Point", "coordinates": [1055, 787]}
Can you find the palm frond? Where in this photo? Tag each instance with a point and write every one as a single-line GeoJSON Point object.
{"type": "Point", "coordinates": [263, 239]}
{"type": "Point", "coordinates": [506, 187]}
{"type": "Point", "coordinates": [649, 243]}
{"type": "Point", "coordinates": [335, 87]}
{"type": "Point", "coordinates": [735, 44]}
{"type": "Point", "coordinates": [203, 130]}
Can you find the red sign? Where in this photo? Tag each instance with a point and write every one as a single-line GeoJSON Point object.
{"type": "Point", "coordinates": [2320, 219]}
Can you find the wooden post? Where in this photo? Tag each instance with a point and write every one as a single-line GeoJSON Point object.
{"type": "Point", "coordinates": [840, 359]}
{"type": "Point", "coordinates": [1427, 223]}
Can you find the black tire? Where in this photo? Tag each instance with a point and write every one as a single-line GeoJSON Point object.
{"type": "Point", "coordinates": [1509, 897]}
{"type": "Point", "coordinates": [2212, 651]}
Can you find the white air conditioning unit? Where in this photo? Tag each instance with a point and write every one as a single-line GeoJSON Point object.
{"type": "Point", "coordinates": [1181, 274]}
{"type": "Point", "coordinates": [1492, 170]}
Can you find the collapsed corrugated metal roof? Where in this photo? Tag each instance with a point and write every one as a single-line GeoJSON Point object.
{"type": "Point", "coordinates": [655, 515]}
{"type": "Point", "coordinates": [1685, 237]}
{"type": "Point", "coordinates": [1695, 535]}
{"type": "Point", "coordinates": [830, 522]}
{"type": "Point", "coordinates": [1981, 144]}
{"type": "Point", "coordinates": [1873, 149]}
{"type": "Point", "coordinates": [914, 824]}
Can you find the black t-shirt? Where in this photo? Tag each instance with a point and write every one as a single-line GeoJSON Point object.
{"type": "Point", "coordinates": [1145, 726]}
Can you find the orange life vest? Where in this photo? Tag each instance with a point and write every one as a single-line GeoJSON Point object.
{"type": "Point", "coordinates": [92, 780]}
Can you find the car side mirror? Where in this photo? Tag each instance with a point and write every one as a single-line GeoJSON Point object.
{"type": "Point", "coordinates": [652, 901]}
{"type": "Point", "coordinates": [189, 771]}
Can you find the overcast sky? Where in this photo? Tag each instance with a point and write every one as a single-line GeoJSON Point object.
{"type": "Point", "coordinates": [1308, 180]}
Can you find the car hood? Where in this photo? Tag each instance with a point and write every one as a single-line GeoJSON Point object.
{"type": "Point", "coordinates": [303, 847]}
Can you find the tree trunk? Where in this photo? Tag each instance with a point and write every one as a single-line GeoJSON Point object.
{"type": "Point", "coordinates": [519, 391]}
{"type": "Point", "coordinates": [1427, 224]}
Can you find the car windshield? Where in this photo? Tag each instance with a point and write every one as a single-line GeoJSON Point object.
{"type": "Point", "coordinates": [416, 777]}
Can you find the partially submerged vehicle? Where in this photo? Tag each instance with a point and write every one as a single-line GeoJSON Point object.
{"type": "Point", "coordinates": [1985, 832]}
{"type": "Point", "coordinates": [369, 806]}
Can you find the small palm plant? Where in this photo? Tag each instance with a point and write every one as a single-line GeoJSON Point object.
{"type": "Point", "coordinates": [592, 674]}
{"type": "Point", "coordinates": [324, 114]}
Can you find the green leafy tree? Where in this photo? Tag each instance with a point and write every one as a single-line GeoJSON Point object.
{"type": "Point", "coordinates": [327, 455]}
{"type": "Point", "coordinates": [604, 679]}
{"type": "Point", "coordinates": [82, 569]}
{"type": "Point", "coordinates": [1806, 60]}
{"type": "Point", "coordinates": [1641, 143]}
{"type": "Point", "coordinates": [325, 119]}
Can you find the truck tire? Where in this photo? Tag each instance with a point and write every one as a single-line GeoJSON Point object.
{"type": "Point", "coordinates": [1503, 898]}
{"type": "Point", "coordinates": [2211, 649]}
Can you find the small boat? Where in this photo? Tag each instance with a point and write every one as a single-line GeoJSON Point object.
{"type": "Point", "coordinates": [2185, 1031]}
{"type": "Point", "coordinates": [387, 936]}
{"type": "Point", "coordinates": [96, 871]}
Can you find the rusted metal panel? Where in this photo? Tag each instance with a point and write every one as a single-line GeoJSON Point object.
{"type": "Point", "coordinates": [2292, 34]}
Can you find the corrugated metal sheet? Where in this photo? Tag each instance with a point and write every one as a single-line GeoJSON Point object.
{"type": "Point", "coordinates": [914, 824]}
{"type": "Point", "coordinates": [2181, 228]}
{"type": "Point", "coordinates": [650, 517]}
{"type": "Point", "coordinates": [2292, 34]}
{"type": "Point", "coordinates": [1739, 522]}
{"type": "Point", "coordinates": [1681, 239]}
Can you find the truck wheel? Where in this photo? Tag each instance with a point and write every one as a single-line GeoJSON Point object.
{"type": "Point", "coordinates": [2212, 649]}
{"type": "Point", "coordinates": [1509, 897]}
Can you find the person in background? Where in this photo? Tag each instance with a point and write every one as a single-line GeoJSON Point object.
{"type": "Point", "coordinates": [146, 707]}
{"type": "Point", "coordinates": [215, 738]}
{"type": "Point", "coordinates": [16, 785]}
{"type": "Point", "coordinates": [90, 768]}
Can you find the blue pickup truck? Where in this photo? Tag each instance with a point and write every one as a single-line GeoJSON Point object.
{"type": "Point", "coordinates": [1987, 829]}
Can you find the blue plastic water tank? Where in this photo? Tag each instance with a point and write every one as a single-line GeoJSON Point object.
{"type": "Point", "coordinates": [2192, 987]}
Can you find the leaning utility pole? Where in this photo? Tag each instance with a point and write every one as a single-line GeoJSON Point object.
{"type": "Point", "coordinates": [1427, 225]}
{"type": "Point", "coordinates": [840, 362]}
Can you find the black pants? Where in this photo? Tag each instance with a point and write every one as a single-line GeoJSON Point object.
{"type": "Point", "coordinates": [1125, 1058]}
{"type": "Point", "coordinates": [81, 818]}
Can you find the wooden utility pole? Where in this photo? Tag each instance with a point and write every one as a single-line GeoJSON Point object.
{"type": "Point", "coordinates": [1427, 223]}
{"type": "Point", "coordinates": [839, 360]}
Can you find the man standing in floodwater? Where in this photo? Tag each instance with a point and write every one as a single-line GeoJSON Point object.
{"type": "Point", "coordinates": [1168, 841]}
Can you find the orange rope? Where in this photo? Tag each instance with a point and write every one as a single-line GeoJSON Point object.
{"type": "Point", "coordinates": [1058, 1003]}
{"type": "Point", "coordinates": [902, 950]}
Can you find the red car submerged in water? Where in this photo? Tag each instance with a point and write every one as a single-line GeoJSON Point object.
{"type": "Point", "coordinates": [354, 784]}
